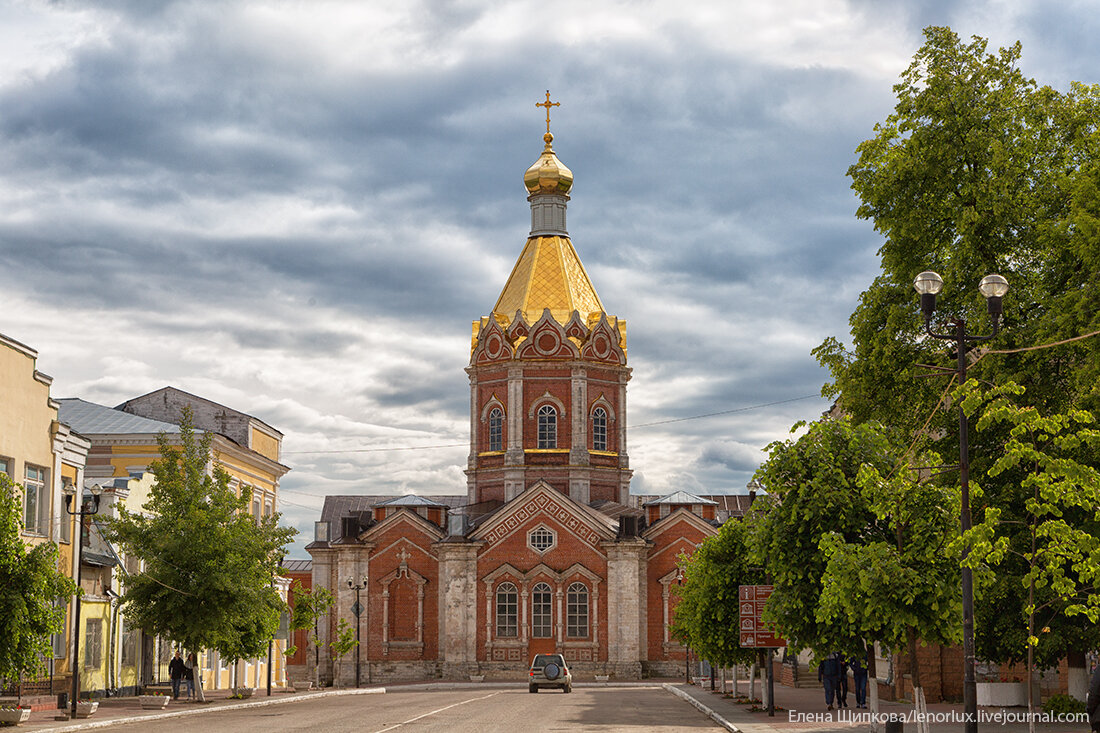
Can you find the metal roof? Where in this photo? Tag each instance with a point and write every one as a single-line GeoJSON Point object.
{"type": "Point", "coordinates": [680, 497]}
{"type": "Point", "coordinates": [410, 500]}
{"type": "Point", "coordinates": [345, 505]}
{"type": "Point", "coordinates": [88, 418]}
{"type": "Point", "coordinates": [297, 566]}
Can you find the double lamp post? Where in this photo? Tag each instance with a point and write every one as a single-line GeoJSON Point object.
{"type": "Point", "coordinates": [993, 287]}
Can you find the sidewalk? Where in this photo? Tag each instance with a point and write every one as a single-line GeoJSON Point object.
{"type": "Point", "coordinates": [804, 710]}
{"type": "Point", "coordinates": [124, 710]}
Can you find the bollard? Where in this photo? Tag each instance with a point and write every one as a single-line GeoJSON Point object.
{"type": "Point", "coordinates": [895, 726]}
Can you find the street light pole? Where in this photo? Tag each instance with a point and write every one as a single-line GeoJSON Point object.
{"type": "Point", "coordinates": [993, 287]}
{"type": "Point", "coordinates": [87, 509]}
{"type": "Point", "coordinates": [357, 609]}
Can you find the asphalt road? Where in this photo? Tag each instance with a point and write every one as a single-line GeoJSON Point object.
{"type": "Point", "coordinates": [483, 711]}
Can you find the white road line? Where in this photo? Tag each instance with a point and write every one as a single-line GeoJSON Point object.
{"type": "Point", "coordinates": [440, 710]}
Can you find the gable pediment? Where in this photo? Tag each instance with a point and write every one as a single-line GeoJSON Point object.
{"type": "Point", "coordinates": [403, 516]}
{"type": "Point", "coordinates": [542, 501]}
{"type": "Point", "coordinates": [658, 528]}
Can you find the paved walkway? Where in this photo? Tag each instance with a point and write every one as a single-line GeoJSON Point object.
{"type": "Point", "coordinates": [804, 710]}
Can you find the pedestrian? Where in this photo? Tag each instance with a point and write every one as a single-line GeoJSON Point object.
{"type": "Point", "coordinates": [175, 673]}
{"type": "Point", "coordinates": [859, 681]}
{"type": "Point", "coordinates": [842, 689]}
{"type": "Point", "coordinates": [189, 674]}
{"type": "Point", "coordinates": [1093, 704]}
{"type": "Point", "coordinates": [828, 673]}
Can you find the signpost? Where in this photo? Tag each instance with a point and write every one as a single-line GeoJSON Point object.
{"type": "Point", "coordinates": [751, 600]}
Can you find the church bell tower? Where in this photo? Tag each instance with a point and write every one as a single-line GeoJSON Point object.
{"type": "Point", "coordinates": [548, 370]}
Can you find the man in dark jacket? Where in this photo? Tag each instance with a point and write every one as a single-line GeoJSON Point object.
{"type": "Point", "coordinates": [828, 673]}
{"type": "Point", "coordinates": [175, 673]}
{"type": "Point", "coordinates": [1093, 704]}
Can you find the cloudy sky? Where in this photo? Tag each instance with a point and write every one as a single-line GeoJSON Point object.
{"type": "Point", "coordinates": [297, 209]}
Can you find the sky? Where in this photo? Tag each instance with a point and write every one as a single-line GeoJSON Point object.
{"type": "Point", "coordinates": [297, 209]}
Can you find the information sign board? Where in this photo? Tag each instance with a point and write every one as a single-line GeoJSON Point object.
{"type": "Point", "coordinates": [751, 602]}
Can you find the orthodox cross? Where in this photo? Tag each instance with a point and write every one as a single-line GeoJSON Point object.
{"type": "Point", "coordinates": [403, 556]}
{"type": "Point", "coordinates": [548, 104]}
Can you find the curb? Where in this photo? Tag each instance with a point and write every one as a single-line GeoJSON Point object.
{"type": "Point", "coordinates": [208, 709]}
{"type": "Point", "coordinates": [500, 685]}
{"type": "Point", "coordinates": [702, 708]}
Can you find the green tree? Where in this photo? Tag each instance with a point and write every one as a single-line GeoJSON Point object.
{"type": "Point", "coordinates": [979, 170]}
{"type": "Point", "coordinates": [309, 605]}
{"type": "Point", "coordinates": [905, 586]}
{"type": "Point", "coordinates": [706, 616]}
{"type": "Point", "coordinates": [33, 592]}
{"type": "Point", "coordinates": [1061, 561]}
{"type": "Point", "coordinates": [814, 492]}
{"type": "Point", "coordinates": [344, 642]}
{"type": "Point", "coordinates": [208, 565]}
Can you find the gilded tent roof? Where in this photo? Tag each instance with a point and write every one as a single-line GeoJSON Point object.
{"type": "Point", "coordinates": [548, 274]}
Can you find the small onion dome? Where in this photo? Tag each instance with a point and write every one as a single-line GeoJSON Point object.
{"type": "Point", "coordinates": [548, 174]}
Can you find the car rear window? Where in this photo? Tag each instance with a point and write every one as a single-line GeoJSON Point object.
{"type": "Point", "coordinates": [541, 660]}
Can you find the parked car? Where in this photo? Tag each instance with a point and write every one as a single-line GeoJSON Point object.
{"type": "Point", "coordinates": [549, 670]}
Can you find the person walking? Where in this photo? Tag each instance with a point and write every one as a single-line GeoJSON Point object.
{"type": "Point", "coordinates": [859, 681]}
{"type": "Point", "coordinates": [828, 673]}
{"type": "Point", "coordinates": [842, 688]}
{"type": "Point", "coordinates": [175, 673]}
{"type": "Point", "coordinates": [189, 674]}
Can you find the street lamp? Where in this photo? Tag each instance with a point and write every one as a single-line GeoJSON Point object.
{"type": "Point", "coordinates": [88, 507]}
{"type": "Point", "coordinates": [993, 287]}
{"type": "Point", "coordinates": [357, 609]}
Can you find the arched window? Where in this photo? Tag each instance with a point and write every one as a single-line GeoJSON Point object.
{"type": "Point", "coordinates": [548, 427]}
{"type": "Point", "coordinates": [542, 611]}
{"type": "Point", "coordinates": [507, 610]}
{"type": "Point", "coordinates": [577, 611]}
{"type": "Point", "coordinates": [496, 429]}
{"type": "Point", "coordinates": [599, 429]}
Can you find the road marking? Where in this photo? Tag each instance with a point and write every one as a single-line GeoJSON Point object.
{"type": "Point", "coordinates": [440, 710]}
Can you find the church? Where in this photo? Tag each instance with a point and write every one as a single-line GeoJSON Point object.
{"type": "Point", "coordinates": [548, 550]}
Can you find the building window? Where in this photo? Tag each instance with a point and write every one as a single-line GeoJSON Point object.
{"type": "Point", "coordinates": [507, 610]}
{"type": "Point", "coordinates": [541, 539]}
{"type": "Point", "coordinates": [548, 427]}
{"type": "Point", "coordinates": [93, 643]}
{"type": "Point", "coordinates": [599, 429]}
{"type": "Point", "coordinates": [128, 652]}
{"type": "Point", "coordinates": [34, 499]}
{"type": "Point", "coordinates": [5, 466]}
{"type": "Point", "coordinates": [542, 612]}
{"type": "Point", "coordinates": [576, 604]}
{"type": "Point", "coordinates": [496, 429]}
{"type": "Point", "coordinates": [57, 641]}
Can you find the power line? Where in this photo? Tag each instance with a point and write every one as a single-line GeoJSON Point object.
{"type": "Point", "coordinates": [629, 427]}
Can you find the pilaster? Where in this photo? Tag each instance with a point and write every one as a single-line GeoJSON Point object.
{"type": "Point", "coordinates": [457, 604]}
{"type": "Point", "coordinates": [626, 605]}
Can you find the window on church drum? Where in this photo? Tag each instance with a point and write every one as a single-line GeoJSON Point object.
{"type": "Point", "coordinates": [496, 429]}
{"type": "Point", "coordinates": [507, 610]}
{"type": "Point", "coordinates": [542, 615]}
{"type": "Point", "coordinates": [577, 611]}
{"type": "Point", "coordinates": [599, 429]}
{"type": "Point", "coordinates": [548, 427]}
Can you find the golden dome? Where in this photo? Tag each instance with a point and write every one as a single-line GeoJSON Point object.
{"type": "Point", "coordinates": [548, 174]}
{"type": "Point", "coordinates": [548, 274]}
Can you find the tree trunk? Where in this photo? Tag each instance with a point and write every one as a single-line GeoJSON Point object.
{"type": "Point", "coordinates": [752, 681]}
{"type": "Point", "coordinates": [197, 672]}
{"type": "Point", "coordinates": [919, 706]}
{"type": "Point", "coordinates": [872, 686]}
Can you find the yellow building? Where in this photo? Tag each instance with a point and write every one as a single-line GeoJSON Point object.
{"type": "Point", "coordinates": [45, 456]}
{"type": "Point", "coordinates": [123, 443]}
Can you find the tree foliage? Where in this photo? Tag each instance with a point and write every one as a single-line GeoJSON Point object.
{"type": "Point", "coordinates": [33, 592]}
{"type": "Point", "coordinates": [706, 617]}
{"type": "Point", "coordinates": [979, 169]}
{"type": "Point", "coordinates": [208, 565]}
{"type": "Point", "coordinates": [309, 605]}
{"type": "Point", "coordinates": [814, 493]}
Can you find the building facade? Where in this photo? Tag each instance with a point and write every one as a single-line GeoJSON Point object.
{"type": "Point", "coordinates": [123, 442]}
{"type": "Point", "coordinates": [547, 551]}
{"type": "Point", "coordinates": [43, 455]}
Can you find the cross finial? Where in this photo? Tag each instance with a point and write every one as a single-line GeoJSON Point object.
{"type": "Point", "coordinates": [548, 104]}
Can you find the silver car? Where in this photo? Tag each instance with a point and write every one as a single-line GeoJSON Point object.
{"type": "Point", "coordinates": [549, 670]}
